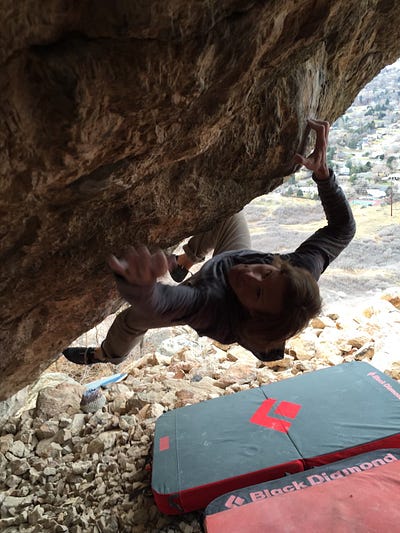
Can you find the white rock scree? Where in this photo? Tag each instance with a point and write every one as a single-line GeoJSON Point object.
{"type": "Point", "coordinates": [62, 469]}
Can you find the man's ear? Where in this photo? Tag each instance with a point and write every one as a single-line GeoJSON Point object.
{"type": "Point", "coordinates": [276, 350]}
{"type": "Point", "coordinates": [279, 345]}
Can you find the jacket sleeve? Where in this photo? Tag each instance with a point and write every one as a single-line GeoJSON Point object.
{"type": "Point", "coordinates": [160, 301]}
{"type": "Point", "coordinates": [321, 248]}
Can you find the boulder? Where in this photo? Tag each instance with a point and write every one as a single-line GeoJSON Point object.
{"type": "Point", "coordinates": [143, 122]}
{"type": "Point", "coordinates": [64, 398]}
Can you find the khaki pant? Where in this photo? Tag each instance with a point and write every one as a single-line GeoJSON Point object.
{"type": "Point", "coordinates": [230, 234]}
{"type": "Point", "coordinates": [129, 326]}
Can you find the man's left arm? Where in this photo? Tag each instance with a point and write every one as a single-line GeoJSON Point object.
{"type": "Point", "coordinates": [319, 250]}
{"type": "Point", "coordinates": [328, 242]}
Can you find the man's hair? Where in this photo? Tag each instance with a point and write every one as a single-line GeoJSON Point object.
{"type": "Point", "coordinates": [301, 302]}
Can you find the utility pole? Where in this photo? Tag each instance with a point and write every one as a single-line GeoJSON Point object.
{"type": "Point", "coordinates": [391, 200]}
{"type": "Point", "coordinates": [392, 179]}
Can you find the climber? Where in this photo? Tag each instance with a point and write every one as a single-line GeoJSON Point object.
{"type": "Point", "coordinates": [257, 299]}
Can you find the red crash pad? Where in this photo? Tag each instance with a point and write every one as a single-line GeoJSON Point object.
{"type": "Point", "coordinates": [213, 447]}
{"type": "Point", "coordinates": [366, 502]}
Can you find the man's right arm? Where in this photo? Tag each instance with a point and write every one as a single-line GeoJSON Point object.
{"type": "Point", "coordinates": [173, 303]}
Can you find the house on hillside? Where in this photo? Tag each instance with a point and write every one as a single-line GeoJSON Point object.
{"type": "Point", "coordinates": [376, 193]}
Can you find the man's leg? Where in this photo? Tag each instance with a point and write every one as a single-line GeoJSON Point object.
{"type": "Point", "coordinates": [230, 234]}
{"type": "Point", "coordinates": [125, 333]}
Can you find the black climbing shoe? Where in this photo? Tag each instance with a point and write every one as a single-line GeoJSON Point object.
{"type": "Point", "coordinates": [179, 273]}
{"type": "Point", "coordinates": [82, 355]}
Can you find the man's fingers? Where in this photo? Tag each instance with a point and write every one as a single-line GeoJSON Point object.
{"type": "Point", "coordinates": [316, 161]}
{"type": "Point", "coordinates": [299, 159]}
{"type": "Point", "coordinates": [139, 266]}
{"type": "Point", "coordinates": [151, 266]}
{"type": "Point", "coordinates": [131, 259]}
{"type": "Point", "coordinates": [318, 123]}
{"type": "Point", "coordinates": [321, 128]}
{"type": "Point", "coordinates": [159, 264]}
{"type": "Point", "coordinates": [116, 265]}
{"type": "Point", "coordinates": [143, 263]}
{"type": "Point", "coordinates": [131, 253]}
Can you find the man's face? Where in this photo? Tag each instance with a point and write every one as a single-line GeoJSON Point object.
{"type": "Point", "coordinates": [258, 287]}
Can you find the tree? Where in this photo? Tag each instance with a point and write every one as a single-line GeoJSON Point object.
{"type": "Point", "coordinates": [353, 142]}
{"type": "Point", "coordinates": [330, 155]}
{"type": "Point", "coordinates": [349, 164]}
{"type": "Point", "coordinates": [371, 126]}
{"type": "Point", "coordinates": [300, 193]}
{"type": "Point", "coordinates": [390, 162]}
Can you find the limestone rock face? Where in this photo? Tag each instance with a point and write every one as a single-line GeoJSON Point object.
{"type": "Point", "coordinates": [127, 122]}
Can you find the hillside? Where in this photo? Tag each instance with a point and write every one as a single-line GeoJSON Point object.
{"type": "Point", "coordinates": [368, 265]}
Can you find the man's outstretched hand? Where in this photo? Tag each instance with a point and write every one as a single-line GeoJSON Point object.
{"type": "Point", "coordinates": [316, 161]}
{"type": "Point", "coordinates": [139, 266]}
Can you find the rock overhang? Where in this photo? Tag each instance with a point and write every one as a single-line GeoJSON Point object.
{"type": "Point", "coordinates": [144, 122]}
